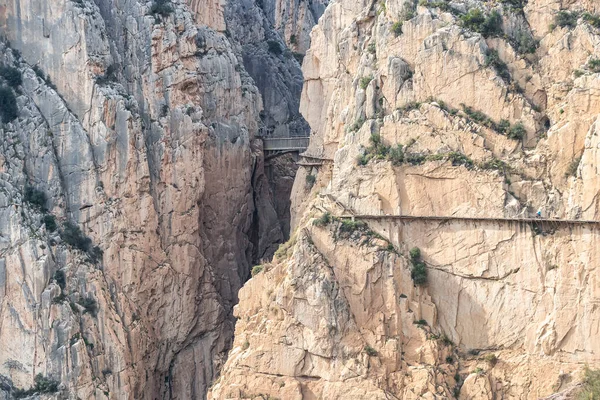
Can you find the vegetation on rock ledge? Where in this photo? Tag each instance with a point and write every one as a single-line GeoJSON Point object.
{"type": "Point", "coordinates": [419, 269]}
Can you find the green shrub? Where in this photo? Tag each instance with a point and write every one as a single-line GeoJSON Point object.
{"type": "Point", "coordinates": [443, 5]}
{"type": "Point", "coordinates": [375, 139]}
{"type": "Point", "coordinates": [35, 197]}
{"type": "Point", "coordinates": [573, 166]}
{"type": "Point", "coordinates": [487, 25]}
{"type": "Point", "coordinates": [496, 164]}
{"type": "Point", "coordinates": [411, 105]}
{"type": "Point", "coordinates": [493, 59]}
{"type": "Point", "coordinates": [377, 148]}
{"type": "Point", "coordinates": [365, 80]}
{"type": "Point", "coordinates": [41, 385]}
{"type": "Point", "coordinates": [363, 159]}
{"type": "Point", "coordinates": [95, 254]}
{"type": "Point", "coordinates": [8, 105]}
{"type": "Point", "coordinates": [436, 157]}
{"type": "Point", "coordinates": [591, 385]}
{"type": "Point", "coordinates": [594, 65]}
{"type": "Point", "coordinates": [357, 125]}
{"type": "Point", "coordinates": [415, 254]}
{"type": "Point", "coordinates": [566, 19]}
{"type": "Point", "coordinates": [161, 7]}
{"type": "Point", "coordinates": [372, 48]}
{"type": "Point", "coordinates": [592, 19]}
{"type": "Point", "coordinates": [293, 39]}
{"type": "Point", "coordinates": [491, 359]}
{"type": "Point", "coordinates": [446, 340]}
{"type": "Point", "coordinates": [492, 26]}
{"type": "Point", "coordinates": [419, 273]}
{"type": "Point", "coordinates": [348, 226]}
{"type": "Point", "coordinates": [310, 180]}
{"type": "Point", "coordinates": [257, 269]}
{"type": "Point", "coordinates": [397, 28]}
{"type": "Point", "coordinates": [371, 352]}
{"type": "Point", "coordinates": [420, 322]}
{"type": "Point", "coordinates": [419, 269]}
{"type": "Point", "coordinates": [89, 305]}
{"type": "Point", "coordinates": [525, 43]}
{"type": "Point", "coordinates": [274, 47]}
{"type": "Point", "coordinates": [285, 249]}
{"type": "Point", "coordinates": [11, 75]}
{"type": "Point", "coordinates": [396, 155]}
{"type": "Point", "coordinates": [460, 159]}
{"type": "Point", "coordinates": [38, 71]}
{"type": "Point", "coordinates": [479, 117]}
{"type": "Point", "coordinates": [517, 131]}
{"type": "Point", "coordinates": [73, 236]}
{"type": "Point", "coordinates": [45, 385]}
{"type": "Point", "coordinates": [414, 158]}
{"type": "Point", "coordinates": [323, 220]}
{"type": "Point", "coordinates": [514, 4]}
{"type": "Point", "coordinates": [60, 278]}
{"type": "Point", "coordinates": [49, 221]}
{"type": "Point", "coordinates": [503, 126]}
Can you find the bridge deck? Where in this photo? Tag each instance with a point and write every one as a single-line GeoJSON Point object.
{"type": "Point", "coordinates": [286, 144]}
{"type": "Point", "coordinates": [482, 219]}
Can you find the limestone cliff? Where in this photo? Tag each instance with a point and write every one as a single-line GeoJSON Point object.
{"type": "Point", "coordinates": [134, 198]}
{"type": "Point", "coordinates": [480, 112]}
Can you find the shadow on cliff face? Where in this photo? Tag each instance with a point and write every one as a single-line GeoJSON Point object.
{"type": "Point", "coordinates": [467, 326]}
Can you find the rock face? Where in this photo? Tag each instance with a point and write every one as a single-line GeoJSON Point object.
{"type": "Point", "coordinates": [138, 122]}
{"type": "Point", "coordinates": [424, 112]}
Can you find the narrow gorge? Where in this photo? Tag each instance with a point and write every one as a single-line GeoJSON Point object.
{"type": "Point", "coordinates": [436, 239]}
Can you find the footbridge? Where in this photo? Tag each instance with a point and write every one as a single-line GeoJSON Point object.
{"type": "Point", "coordinates": [274, 147]}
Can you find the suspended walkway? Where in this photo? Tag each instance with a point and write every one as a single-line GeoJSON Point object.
{"type": "Point", "coordinates": [274, 147]}
{"type": "Point", "coordinates": [535, 221]}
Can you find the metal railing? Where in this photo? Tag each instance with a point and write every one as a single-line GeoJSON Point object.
{"type": "Point", "coordinates": [286, 144]}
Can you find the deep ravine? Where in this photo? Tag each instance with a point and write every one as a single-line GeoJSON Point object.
{"type": "Point", "coordinates": [134, 195]}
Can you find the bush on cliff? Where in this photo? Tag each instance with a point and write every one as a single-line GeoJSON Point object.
{"type": "Point", "coordinates": [161, 7]}
{"type": "Point", "coordinates": [11, 75]}
{"type": "Point", "coordinates": [8, 105]}
{"type": "Point", "coordinates": [72, 235]}
{"type": "Point", "coordinates": [419, 269]}
{"type": "Point", "coordinates": [49, 221]}
{"type": "Point", "coordinates": [488, 25]}
{"type": "Point", "coordinates": [274, 47]}
{"type": "Point", "coordinates": [565, 19]}
{"type": "Point", "coordinates": [591, 385]}
{"type": "Point", "coordinates": [257, 269]}
{"type": "Point", "coordinates": [35, 197]}
{"type": "Point", "coordinates": [41, 385]}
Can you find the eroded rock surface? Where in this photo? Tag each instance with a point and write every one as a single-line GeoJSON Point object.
{"type": "Point", "coordinates": [139, 123]}
{"type": "Point", "coordinates": [491, 127]}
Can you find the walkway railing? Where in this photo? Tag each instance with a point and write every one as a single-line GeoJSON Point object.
{"type": "Point", "coordinates": [286, 144]}
{"type": "Point", "coordinates": [476, 219]}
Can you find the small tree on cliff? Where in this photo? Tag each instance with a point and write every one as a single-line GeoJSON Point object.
{"type": "Point", "coordinates": [419, 270]}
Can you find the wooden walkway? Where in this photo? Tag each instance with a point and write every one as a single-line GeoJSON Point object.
{"type": "Point", "coordinates": [475, 219]}
{"type": "Point", "coordinates": [312, 161]}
